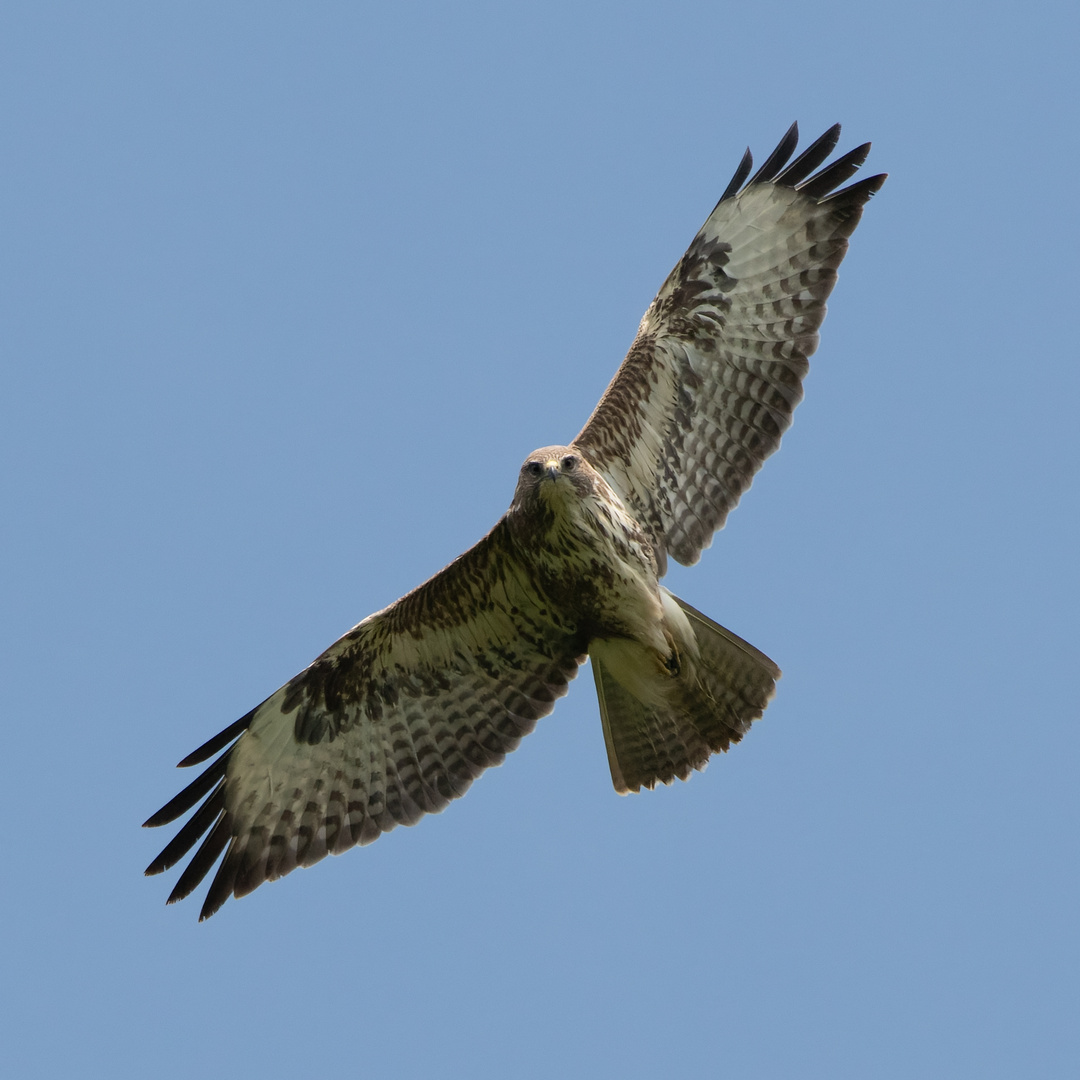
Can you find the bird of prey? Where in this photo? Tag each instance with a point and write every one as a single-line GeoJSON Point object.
{"type": "Point", "coordinates": [401, 714]}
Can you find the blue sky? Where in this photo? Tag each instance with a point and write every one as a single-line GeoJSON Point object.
{"type": "Point", "coordinates": [288, 293]}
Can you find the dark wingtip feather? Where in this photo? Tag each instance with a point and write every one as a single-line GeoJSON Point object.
{"type": "Point", "coordinates": [832, 176]}
{"type": "Point", "coordinates": [189, 835]}
{"type": "Point", "coordinates": [860, 191]}
{"type": "Point", "coordinates": [800, 173]}
{"type": "Point", "coordinates": [810, 158]}
{"type": "Point", "coordinates": [218, 742]}
{"type": "Point", "coordinates": [778, 158]}
{"type": "Point", "coordinates": [222, 886]}
{"type": "Point", "coordinates": [182, 803]}
{"type": "Point", "coordinates": [204, 858]}
{"type": "Point", "coordinates": [741, 173]}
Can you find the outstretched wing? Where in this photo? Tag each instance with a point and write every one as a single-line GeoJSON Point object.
{"type": "Point", "coordinates": [393, 721]}
{"type": "Point", "coordinates": [716, 369]}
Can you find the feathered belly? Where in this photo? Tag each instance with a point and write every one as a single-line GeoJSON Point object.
{"type": "Point", "coordinates": [598, 565]}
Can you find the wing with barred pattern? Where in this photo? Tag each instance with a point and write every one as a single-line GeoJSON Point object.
{"type": "Point", "coordinates": [715, 372]}
{"type": "Point", "coordinates": [393, 721]}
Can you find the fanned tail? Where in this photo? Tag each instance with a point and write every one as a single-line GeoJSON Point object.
{"type": "Point", "coordinates": [710, 704]}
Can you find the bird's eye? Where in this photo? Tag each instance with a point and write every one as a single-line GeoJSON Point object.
{"type": "Point", "coordinates": [534, 468]}
{"type": "Point", "coordinates": [569, 463]}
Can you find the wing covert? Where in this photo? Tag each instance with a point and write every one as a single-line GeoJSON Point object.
{"type": "Point", "coordinates": [712, 378]}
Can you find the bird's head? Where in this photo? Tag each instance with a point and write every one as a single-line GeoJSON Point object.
{"type": "Point", "coordinates": [552, 476]}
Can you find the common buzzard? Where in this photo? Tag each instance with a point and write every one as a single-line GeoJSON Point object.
{"type": "Point", "coordinates": [401, 714]}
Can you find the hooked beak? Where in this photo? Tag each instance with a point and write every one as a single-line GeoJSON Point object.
{"type": "Point", "coordinates": [552, 468]}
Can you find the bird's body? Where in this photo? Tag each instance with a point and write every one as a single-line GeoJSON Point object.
{"type": "Point", "coordinates": [585, 550]}
{"type": "Point", "coordinates": [399, 715]}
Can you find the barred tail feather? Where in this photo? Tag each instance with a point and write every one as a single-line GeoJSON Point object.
{"type": "Point", "coordinates": [672, 726]}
